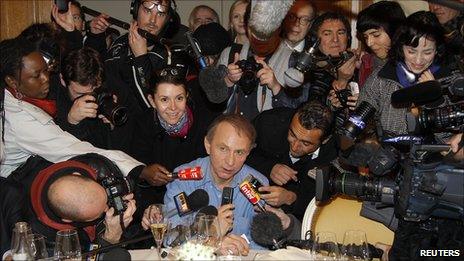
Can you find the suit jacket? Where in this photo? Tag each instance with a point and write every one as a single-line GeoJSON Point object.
{"type": "Point", "coordinates": [273, 148]}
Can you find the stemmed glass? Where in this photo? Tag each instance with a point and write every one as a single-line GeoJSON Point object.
{"type": "Point", "coordinates": [355, 245]}
{"type": "Point", "coordinates": [177, 235]}
{"type": "Point", "coordinates": [37, 245]}
{"type": "Point", "coordinates": [67, 246]}
{"type": "Point", "coordinates": [207, 231]}
{"type": "Point", "coordinates": [325, 246]}
{"type": "Point", "coordinates": [158, 224]}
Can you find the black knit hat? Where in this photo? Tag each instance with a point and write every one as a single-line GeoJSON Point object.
{"type": "Point", "coordinates": [212, 38]}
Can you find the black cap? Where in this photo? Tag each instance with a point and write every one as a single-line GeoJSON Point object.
{"type": "Point", "coordinates": [212, 38]}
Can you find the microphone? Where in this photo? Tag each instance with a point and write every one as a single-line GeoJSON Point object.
{"type": "Point", "coordinates": [252, 195]}
{"type": "Point", "coordinates": [267, 16]}
{"type": "Point", "coordinates": [267, 231]}
{"type": "Point", "coordinates": [187, 174]}
{"type": "Point", "coordinates": [191, 203]}
{"type": "Point", "coordinates": [147, 35]}
{"type": "Point", "coordinates": [294, 76]}
{"type": "Point", "coordinates": [419, 93]}
{"type": "Point", "coordinates": [196, 50]}
{"type": "Point", "coordinates": [211, 80]}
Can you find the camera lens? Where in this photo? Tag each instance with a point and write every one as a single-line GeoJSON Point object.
{"type": "Point", "coordinates": [357, 121]}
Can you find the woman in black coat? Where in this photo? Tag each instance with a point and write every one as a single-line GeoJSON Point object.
{"type": "Point", "coordinates": [174, 131]}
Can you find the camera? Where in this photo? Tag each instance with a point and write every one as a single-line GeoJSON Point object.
{"type": "Point", "coordinates": [439, 119]}
{"type": "Point", "coordinates": [343, 95]}
{"type": "Point", "coordinates": [249, 82]}
{"type": "Point", "coordinates": [358, 120]}
{"type": "Point", "coordinates": [113, 111]}
{"type": "Point", "coordinates": [421, 189]}
{"type": "Point", "coordinates": [116, 188]}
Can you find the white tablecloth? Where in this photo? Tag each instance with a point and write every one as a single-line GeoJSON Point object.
{"type": "Point", "coordinates": [152, 254]}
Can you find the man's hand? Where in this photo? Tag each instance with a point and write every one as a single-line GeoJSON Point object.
{"type": "Point", "coordinates": [352, 101]}
{"type": "Point", "coordinates": [99, 24]}
{"type": "Point", "coordinates": [151, 215]}
{"type": "Point", "coordinates": [137, 43]}
{"type": "Point", "coordinates": [454, 142]}
{"type": "Point", "coordinates": [277, 196]}
{"type": "Point", "coordinates": [65, 20]}
{"type": "Point", "coordinates": [284, 218]}
{"type": "Point", "coordinates": [83, 107]}
{"type": "Point", "coordinates": [333, 99]}
{"type": "Point", "coordinates": [113, 230]}
{"type": "Point", "coordinates": [156, 175]}
{"type": "Point", "coordinates": [234, 73]}
{"type": "Point", "coordinates": [346, 71]}
{"type": "Point", "coordinates": [235, 245]}
{"type": "Point", "coordinates": [281, 174]}
{"type": "Point", "coordinates": [226, 218]}
{"type": "Point", "coordinates": [267, 77]}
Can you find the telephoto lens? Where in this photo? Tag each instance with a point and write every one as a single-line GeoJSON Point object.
{"type": "Point", "coordinates": [357, 121]}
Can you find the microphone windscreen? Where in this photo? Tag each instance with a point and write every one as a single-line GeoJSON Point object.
{"type": "Point", "coordinates": [265, 228]}
{"type": "Point", "coordinates": [267, 16]}
{"type": "Point", "coordinates": [211, 80]}
{"type": "Point", "coordinates": [419, 93]}
{"type": "Point", "coordinates": [208, 210]}
{"type": "Point", "coordinates": [115, 254]}
{"type": "Point", "coordinates": [293, 78]}
{"type": "Point", "coordinates": [198, 199]}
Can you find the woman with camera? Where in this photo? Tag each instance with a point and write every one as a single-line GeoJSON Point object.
{"type": "Point", "coordinates": [417, 55]}
{"type": "Point", "coordinates": [175, 129]}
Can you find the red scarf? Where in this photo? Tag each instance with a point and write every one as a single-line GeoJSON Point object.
{"type": "Point", "coordinates": [49, 106]}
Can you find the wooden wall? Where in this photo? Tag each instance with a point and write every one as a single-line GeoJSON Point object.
{"type": "Point", "coordinates": [15, 15]}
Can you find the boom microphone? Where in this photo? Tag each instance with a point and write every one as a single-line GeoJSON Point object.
{"type": "Point", "coordinates": [419, 93]}
{"type": "Point", "coordinates": [147, 35]}
{"type": "Point", "coordinates": [211, 80]}
{"type": "Point", "coordinates": [267, 16]}
{"type": "Point", "coordinates": [196, 50]}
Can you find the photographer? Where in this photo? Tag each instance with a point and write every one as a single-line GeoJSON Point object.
{"type": "Point", "coordinates": [77, 107]}
{"type": "Point", "coordinates": [68, 195]}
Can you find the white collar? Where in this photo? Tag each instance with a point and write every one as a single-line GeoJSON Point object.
{"type": "Point", "coordinates": [315, 154]}
{"type": "Point", "coordinates": [299, 47]}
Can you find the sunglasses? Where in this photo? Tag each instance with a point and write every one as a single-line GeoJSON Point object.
{"type": "Point", "coordinates": [150, 5]}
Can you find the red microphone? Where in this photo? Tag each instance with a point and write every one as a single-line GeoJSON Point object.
{"type": "Point", "coordinates": [187, 174]}
{"type": "Point", "coordinates": [252, 195]}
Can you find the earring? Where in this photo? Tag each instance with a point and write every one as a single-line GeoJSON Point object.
{"type": "Point", "coordinates": [19, 95]}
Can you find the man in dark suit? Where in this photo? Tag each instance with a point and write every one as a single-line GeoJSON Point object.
{"type": "Point", "coordinates": [290, 144]}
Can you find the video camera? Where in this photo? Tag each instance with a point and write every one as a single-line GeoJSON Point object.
{"type": "Point", "coordinates": [112, 110]}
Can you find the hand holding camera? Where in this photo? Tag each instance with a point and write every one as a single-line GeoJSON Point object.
{"type": "Point", "coordinates": [83, 107]}
{"type": "Point", "coordinates": [63, 17]}
{"type": "Point", "coordinates": [267, 77]}
{"type": "Point", "coordinates": [234, 72]}
{"type": "Point", "coordinates": [99, 24]}
{"type": "Point", "coordinates": [113, 229]}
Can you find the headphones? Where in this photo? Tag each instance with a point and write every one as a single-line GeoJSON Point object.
{"type": "Point", "coordinates": [135, 5]}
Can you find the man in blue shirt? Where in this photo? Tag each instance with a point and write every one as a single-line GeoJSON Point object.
{"type": "Point", "coordinates": [228, 142]}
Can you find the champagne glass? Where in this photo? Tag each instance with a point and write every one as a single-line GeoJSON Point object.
{"type": "Point", "coordinates": [325, 246]}
{"type": "Point", "coordinates": [37, 245]}
{"type": "Point", "coordinates": [177, 235]}
{"type": "Point", "coordinates": [67, 246]}
{"type": "Point", "coordinates": [208, 231]}
{"type": "Point", "coordinates": [158, 224]}
{"type": "Point", "coordinates": [20, 248]}
{"type": "Point", "coordinates": [355, 245]}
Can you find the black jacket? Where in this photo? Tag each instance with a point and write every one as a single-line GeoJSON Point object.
{"type": "Point", "coordinates": [12, 206]}
{"type": "Point", "coordinates": [273, 148]}
{"type": "Point", "coordinates": [91, 130]}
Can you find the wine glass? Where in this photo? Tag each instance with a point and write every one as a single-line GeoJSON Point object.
{"type": "Point", "coordinates": [325, 246]}
{"type": "Point", "coordinates": [177, 235]}
{"type": "Point", "coordinates": [37, 245]}
{"type": "Point", "coordinates": [355, 245]}
{"type": "Point", "coordinates": [158, 224]}
{"type": "Point", "coordinates": [67, 246]}
{"type": "Point", "coordinates": [208, 231]}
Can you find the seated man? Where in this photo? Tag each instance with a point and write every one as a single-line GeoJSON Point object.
{"type": "Point", "coordinates": [290, 143]}
{"type": "Point", "coordinates": [66, 195]}
{"type": "Point", "coordinates": [228, 142]}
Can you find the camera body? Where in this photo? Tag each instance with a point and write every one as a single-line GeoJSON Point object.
{"type": "Point", "coordinates": [249, 82]}
{"type": "Point", "coordinates": [343, 95]}
{"type": "Point", "coordinates": [116, 188]}
{"type": "Point", "coordinates": [113, 111]}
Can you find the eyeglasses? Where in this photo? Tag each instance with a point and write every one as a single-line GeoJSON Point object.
{"type": "Point", "coordinates": [150, 5]}
{"type": "Point", "coordinates": [302, 20]}
{"type": "Point", "coordinates": [171, 71]}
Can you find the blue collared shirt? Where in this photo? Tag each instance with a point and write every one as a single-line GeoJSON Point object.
{"type": "Point", "coordinates": [243, 212]}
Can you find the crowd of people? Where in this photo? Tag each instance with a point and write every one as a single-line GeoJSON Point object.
{"type": "Point", "coordinates": [78, 100]}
